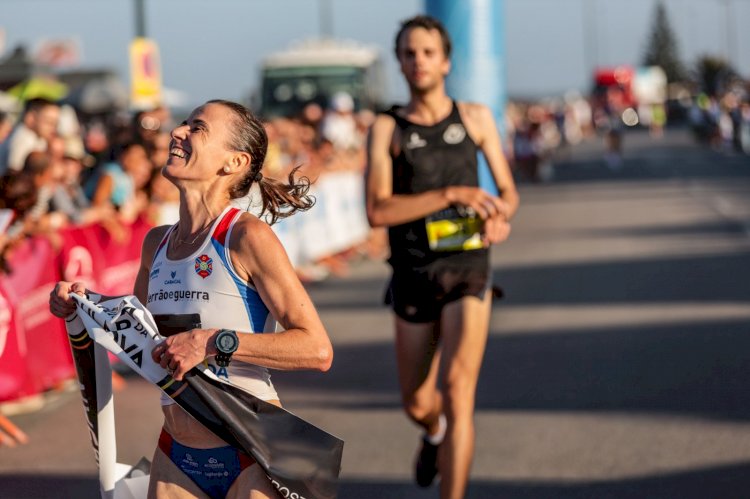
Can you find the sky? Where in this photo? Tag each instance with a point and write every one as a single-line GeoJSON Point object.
{"type": "Point", "coordinates": [213, 48]}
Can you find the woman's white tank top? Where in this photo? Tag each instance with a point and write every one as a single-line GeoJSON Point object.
{"type": "Point", "coordinates": [206, 283]}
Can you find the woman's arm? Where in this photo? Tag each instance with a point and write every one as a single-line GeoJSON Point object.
{"type": "Point", "coordinates": [259, 258]}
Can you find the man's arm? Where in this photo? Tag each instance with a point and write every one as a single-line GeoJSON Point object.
{"type": "Point", "coordinates": [484, 129]}
{"type": "Point", "coordinates": [386, 209]}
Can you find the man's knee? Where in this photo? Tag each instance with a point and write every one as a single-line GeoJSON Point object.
{"type": "Point", "coordinates": [458, 394]}
{"type": "Point", "coordinates": [418, 408]}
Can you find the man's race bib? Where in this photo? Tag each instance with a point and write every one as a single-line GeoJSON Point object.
{"type": "Point", "coordinates": [454, 229]}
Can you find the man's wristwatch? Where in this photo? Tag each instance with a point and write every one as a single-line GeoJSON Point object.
{"type": "Point", "coordinates": [226, 344]}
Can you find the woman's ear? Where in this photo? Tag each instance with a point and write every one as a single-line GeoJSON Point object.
{"type": "Point", "coordinates": [240, 161]}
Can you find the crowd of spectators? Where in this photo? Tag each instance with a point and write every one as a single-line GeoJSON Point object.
{"type": "Point", "coordinates": [57, 170]}
{"type": "Point", "coordinates": [537, 130]}
{"type": "Point", "coordinates": [723, 121]}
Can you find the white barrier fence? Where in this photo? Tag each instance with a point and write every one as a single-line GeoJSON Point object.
{"type": "Point", "coordinates": [335, 223]}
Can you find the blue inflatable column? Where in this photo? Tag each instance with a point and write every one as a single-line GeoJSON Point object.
{"type": "Point", "coordinates": [477, 30]}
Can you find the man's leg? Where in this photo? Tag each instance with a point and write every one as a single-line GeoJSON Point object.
{"type": "Point", "coordinates": [418, 360]}
{"type": "Point", "coordinates": [464, 337]}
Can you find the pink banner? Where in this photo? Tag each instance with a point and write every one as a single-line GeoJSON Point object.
{"type": "Point", "coordinates": [121, 258]}
{"type": "Point", "coordinates": [34, 350]}
{"type": "Point", "coordinates": [15, 381]}
{"type": "Point", "coordinates": [28, 286]}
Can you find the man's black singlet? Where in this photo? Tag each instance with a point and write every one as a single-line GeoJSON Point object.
{"type": "Point", "coordinates": [429, 158]}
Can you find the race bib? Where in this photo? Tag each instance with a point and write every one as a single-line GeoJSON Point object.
{"type": "Point", "coordinates": [454, 229]}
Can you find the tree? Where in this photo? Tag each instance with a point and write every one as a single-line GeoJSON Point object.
{"type": "Point", "coordinates": [662, 48]}
{"type": "Point", "coordinates": [713, 75]}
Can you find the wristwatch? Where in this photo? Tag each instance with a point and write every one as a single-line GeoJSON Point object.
{"type": "Point", "coordinates": [226, 344]}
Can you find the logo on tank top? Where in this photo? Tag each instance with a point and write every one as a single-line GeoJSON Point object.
{"type": "Point", "coordinates": [454, 134]}
{"type": "Point", "coordinates": [173, 278]}
{"type": "Point", "coordinates": [415, 141]}
{"type": "Point", "coordinates": [204, 266]}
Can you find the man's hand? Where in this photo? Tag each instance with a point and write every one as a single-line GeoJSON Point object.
{"type": "Point", "coordinates": [181, 352]}
{"type": "Point", "coordinates": [485, 204]}
{"type": "Point", "coordinates": [496, 230]}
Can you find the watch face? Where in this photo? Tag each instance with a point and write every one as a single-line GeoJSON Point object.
{"type": "Point", "coordinates": [226, 342]}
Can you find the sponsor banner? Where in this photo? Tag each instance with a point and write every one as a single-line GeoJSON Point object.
{"type": "Point", "coordinates": [34, 351]}
{"type": "Point", "coordinates": [15, 381]}
{"type": "Point", "coordinates": [345, 209]}
{"type": "Point", "coordinates": [336, 223]}
{"type": "Point", "coordinates": [90, 254]}
{"type": "Point", "coordinates": [32, 278]}
{"type": "Point", "coordinates": [287, 230]}
{"type": "Point", "coordinates": [145, 74]}
{"type": "Point", "coordinates": [81, 257]}
{"type": "Point", "coordinates": [121, 258]}
{"type": "Point", "coordinates": [59, 52]}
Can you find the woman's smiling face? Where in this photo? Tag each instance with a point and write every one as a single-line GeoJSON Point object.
{"type": "Point", "coordinates": [199, 146]}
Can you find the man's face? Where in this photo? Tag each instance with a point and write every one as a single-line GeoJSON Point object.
{"type": "Point", "coordinates": [45, 121]}
{"type": "Point", "coordinates": [422, 59]}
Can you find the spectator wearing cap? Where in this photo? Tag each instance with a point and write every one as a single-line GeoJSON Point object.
{"type": "Point", "coordinates": [339, 124]}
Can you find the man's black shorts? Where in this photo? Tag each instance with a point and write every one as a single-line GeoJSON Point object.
{"type": "Point", "coordinates": [419, 294]}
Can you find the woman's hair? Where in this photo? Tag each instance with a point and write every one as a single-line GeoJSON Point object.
{"type": "Point", "coordinates": [279, 199]}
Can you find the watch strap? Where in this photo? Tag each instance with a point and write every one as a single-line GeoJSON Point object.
{"type": "Point", "coordinates": [223, 358]}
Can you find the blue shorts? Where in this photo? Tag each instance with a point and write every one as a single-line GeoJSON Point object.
{"type": "Point", "coordinates": [212, 470]}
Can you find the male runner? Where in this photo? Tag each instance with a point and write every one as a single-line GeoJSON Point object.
{"type": "Point", "coordinates": [422, 161]}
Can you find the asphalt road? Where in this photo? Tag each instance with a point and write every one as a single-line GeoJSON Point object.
{"type": "Point", "coordinates": [615, 368]}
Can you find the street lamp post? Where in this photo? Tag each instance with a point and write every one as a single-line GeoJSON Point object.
{"type": "Point", "coordinates": [325, 15]}
{"type": "Point", "coordinates": [140, 19]}
{"type": "Point", "coordinates": [730, 35]}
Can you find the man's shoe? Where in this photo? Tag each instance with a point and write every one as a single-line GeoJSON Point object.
{"type": "Point", "coordinates": [426, 467]}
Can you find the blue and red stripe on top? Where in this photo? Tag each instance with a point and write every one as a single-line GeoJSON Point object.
{"type": "Point", "coordinates": [221, 230]}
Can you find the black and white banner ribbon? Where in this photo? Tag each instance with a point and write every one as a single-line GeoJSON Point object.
{"type": "Point", "coordinates": [116, 480]}
{"type": "Point", "coordinates": [301, 460]}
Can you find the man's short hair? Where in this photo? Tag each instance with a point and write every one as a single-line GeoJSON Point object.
{"type": "Point", "coordinates": [33, 105]}
{"type": "Point", "coordinates": [428, 23]}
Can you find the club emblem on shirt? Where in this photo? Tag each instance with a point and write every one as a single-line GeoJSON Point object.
{"type": "Point", "coordinates": [415, 141]}
{"type": "Point", "coordinates": [454, 134]}
{"type": "Point", "coordinates": [204, 266]}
